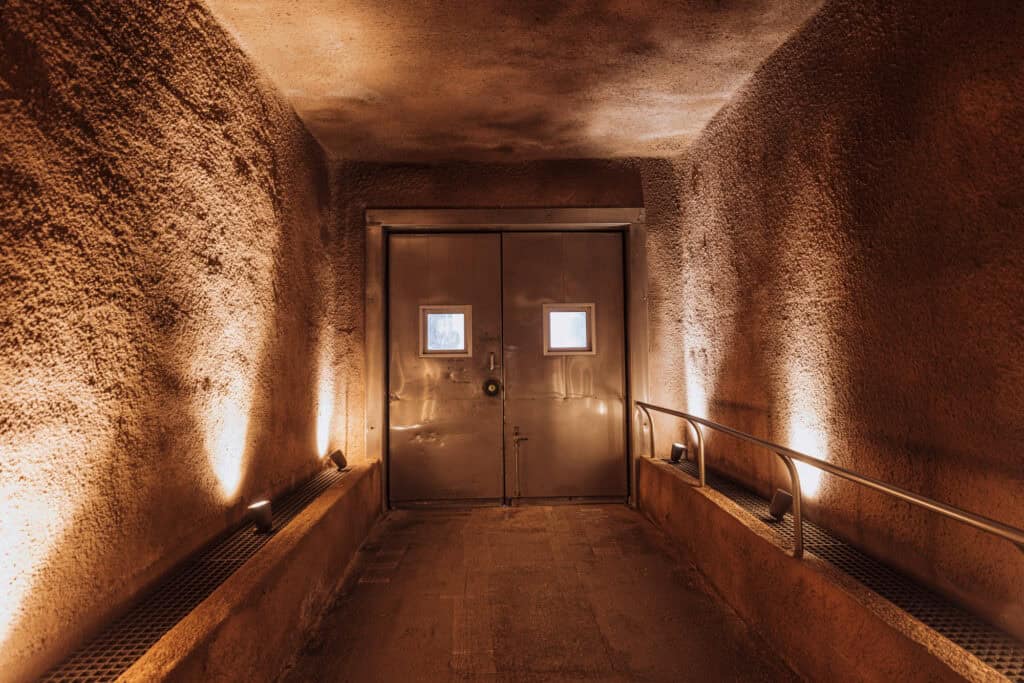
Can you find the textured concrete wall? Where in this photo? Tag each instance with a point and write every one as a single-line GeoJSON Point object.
{"type": "Point", "coordinates": [843, 275]}
{"type": "Point", "coordinates": [166, 306]}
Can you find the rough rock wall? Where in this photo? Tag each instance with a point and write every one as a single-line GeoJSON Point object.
{"type": "Point", "coordinates": [166, 305]}
{"type": "Point", "coordinates": [845, 272]}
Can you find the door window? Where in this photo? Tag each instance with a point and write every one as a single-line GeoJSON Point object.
{"type": "Point", "coordinates": [569, 329]}
{"type": "Point", "coordinates": [446, 331]}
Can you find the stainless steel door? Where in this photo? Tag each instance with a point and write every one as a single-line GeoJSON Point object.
{"type": "Point", "coordinates": [445, 431]}
{"type": "Point", "coordinates": [564, 406]}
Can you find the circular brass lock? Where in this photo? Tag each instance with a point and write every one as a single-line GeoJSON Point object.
{"type": "Point", "coordinates": [492, 387]}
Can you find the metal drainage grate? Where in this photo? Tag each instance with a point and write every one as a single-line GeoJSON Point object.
{"type": "Point", "coordinates": [128, 638]}
{"type": "Point", "coordinates": [992, 646]}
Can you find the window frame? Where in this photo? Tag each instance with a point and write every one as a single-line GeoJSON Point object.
{"type": "Point", "coordinates": [590, 310]}
{"type": "Point", "coordinates": [467, 311]}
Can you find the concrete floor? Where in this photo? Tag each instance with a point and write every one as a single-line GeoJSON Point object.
{"type": "Point", "coordinates": [560, 593]}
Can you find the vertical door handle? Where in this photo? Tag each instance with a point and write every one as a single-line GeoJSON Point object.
{"type": "Point", "coordinates": [516, 438]}
{"type": "Point", "coordinates": [492, 361]}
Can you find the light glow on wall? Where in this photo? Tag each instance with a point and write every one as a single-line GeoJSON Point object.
{"type": "Point", "coordinates": [44, 481]}
{"type": "Point", "coordinates": [812, 442]}
{"type": "Point", "coordinates": [696, 368]}
{"type": "Point", "coordinates": [696, 396]}
{"type": "Point", "coordinates": [707, 322]}
{"type": "Point", "coordinates": [224, 411]}
{"type": "Point", "coordinates": [325, 395]}
{"type": "Point", "coordinates": [813, 290]}
{"type": "Point", "coordinates": [228, 431]}
{"type": "Point", "coordinates": [809, 398]}
{"type": "Point", "coordinates": [30, 526]}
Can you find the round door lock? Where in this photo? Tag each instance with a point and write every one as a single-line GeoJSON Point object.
{"type": "Point", "coordinates": [492, 387]}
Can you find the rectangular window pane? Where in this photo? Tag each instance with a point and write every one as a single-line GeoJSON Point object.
{"type": "Point", "coordinates": [446, 331]}
{"type": "Point", "coordinates": [568, 330]}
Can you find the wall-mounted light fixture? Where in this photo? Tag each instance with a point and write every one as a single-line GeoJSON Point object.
{"type": "Point", "coordinates": [782, 502]}
{"type": "Point", "coordinates": [338, 458]}
{"type": "Point", "coordinates": [262, 516]}
{"type": "Point", "coordinates": [678, 452]}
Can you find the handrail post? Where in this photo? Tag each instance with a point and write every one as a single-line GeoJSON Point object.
{"type": "Point", "coordinates": [700, 452]}
{"type": "Point", "coordinates": [632, 427]}
{"type": "Point", "coordinates": [650, 424]}
{"type": "Point", "coordinates": [798, 521]}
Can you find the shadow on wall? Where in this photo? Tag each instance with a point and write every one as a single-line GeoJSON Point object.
{"type": "Point", "coordinates": [166, 275]}
{"type": "Point", "coordinates": [844, 276]}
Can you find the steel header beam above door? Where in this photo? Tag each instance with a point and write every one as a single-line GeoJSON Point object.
{"type": "Point", "coordinates": [451, 220]}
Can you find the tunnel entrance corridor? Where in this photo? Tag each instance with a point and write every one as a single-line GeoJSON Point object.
{"type": "Point", "coordinates": [552, 303]}
{"type": "Point", "coordinates": [537, 593]}
{"type": "Point", "coordinates": [507, 377]}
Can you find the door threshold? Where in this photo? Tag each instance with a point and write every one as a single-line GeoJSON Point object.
{"type": "Point", "coordinates": [452, 503]}
{"type": "Point", "coordinates": [569, 500]}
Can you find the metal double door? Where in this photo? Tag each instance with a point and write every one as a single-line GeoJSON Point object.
{"type": "Point", "coordinates": [506, 367]}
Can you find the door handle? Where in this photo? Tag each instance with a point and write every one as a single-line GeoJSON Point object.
{"type": "Point", "coordinates": [516, 438]}
{"type": "Point", "coordinates": [492, 361]}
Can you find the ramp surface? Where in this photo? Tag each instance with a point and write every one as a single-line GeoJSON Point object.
{"type": "Point", "coordinates": [554, 593]}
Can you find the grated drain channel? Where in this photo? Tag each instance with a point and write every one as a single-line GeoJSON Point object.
{"type": "Point", "coordinates": [128, 638]}
{"type": "Point", "coordinates": [992, 646]}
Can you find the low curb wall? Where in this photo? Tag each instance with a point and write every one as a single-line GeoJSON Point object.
{"type": "Point", "coordinates": [253, 625]}
{"type": "Point", "coordinates": [825, 624]}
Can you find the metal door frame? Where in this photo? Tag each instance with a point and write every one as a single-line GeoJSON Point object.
{"type": "Point", "coordinates": [381, 222]}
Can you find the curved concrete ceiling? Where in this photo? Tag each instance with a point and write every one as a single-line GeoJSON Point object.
{"type": "Point", "coordinates": [423, 80]}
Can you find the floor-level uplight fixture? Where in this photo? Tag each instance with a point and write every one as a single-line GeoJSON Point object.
{"type": "Point", "coordinates": [338, 458]}
{"type": "Point", "coordinates": [782, 502]}
{"type": "Point", "coordinates": [262, 516]}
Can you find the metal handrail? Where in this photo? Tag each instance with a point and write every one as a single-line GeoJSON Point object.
{"type": "Point", "coordinates": [788, 455]}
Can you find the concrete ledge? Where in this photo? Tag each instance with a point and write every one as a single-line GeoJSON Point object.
{"type": "Point", "coordinates": [826, 625]}
{"type": "Point", "coordinates": [256, 621]}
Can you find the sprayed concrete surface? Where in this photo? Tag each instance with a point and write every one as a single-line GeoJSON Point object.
{"type": "Point", "coordinates": [166, 318]}
{"type": "Point", "coordinates": [417, 80]}
{"type": "Point", "coordinates": [836, 265]}
{"type": "Point", "coordinates": [565, 593]}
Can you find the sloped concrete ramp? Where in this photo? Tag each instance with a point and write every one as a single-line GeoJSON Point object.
{"type": "Point", "coordinates": [559, 593]}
